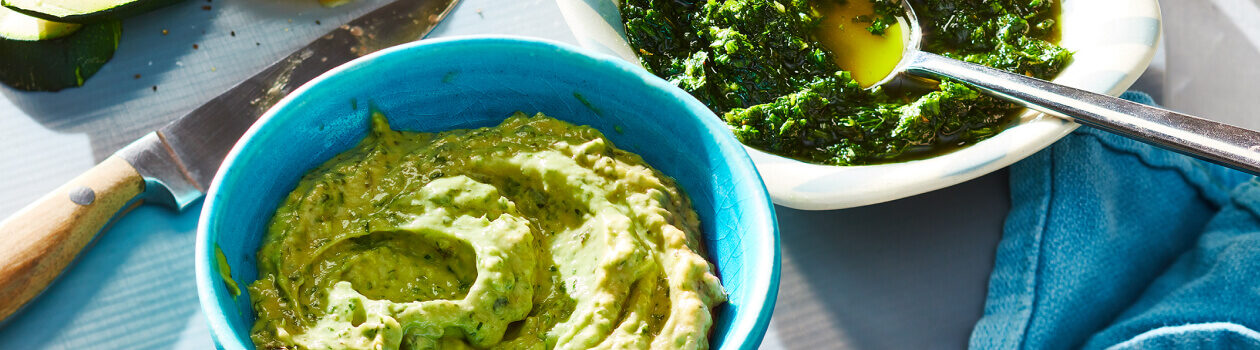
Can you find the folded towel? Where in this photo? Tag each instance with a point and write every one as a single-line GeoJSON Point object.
{"type": "Point", "coordinates": [1113, 243]}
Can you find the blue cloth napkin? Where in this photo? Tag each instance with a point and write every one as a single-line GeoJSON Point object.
{"type": "Point", "coordinates": [1112, 243]}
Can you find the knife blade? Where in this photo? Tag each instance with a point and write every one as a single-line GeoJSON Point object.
{"type": "Point", "coordinates": [196, 144]}
{"type": "Point", "coordinates": [174, 165]}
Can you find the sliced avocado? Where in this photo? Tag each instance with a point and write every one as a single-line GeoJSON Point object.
{"type": "Point", "coordinates": [39, 55]}
{"type": "Point", "coordinates": [17, 26]}
{"type": "Point", "coordinates": [84, 11]}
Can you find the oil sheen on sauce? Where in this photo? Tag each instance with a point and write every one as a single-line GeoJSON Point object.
{"type": "Point", "coordinates": [867, 56]}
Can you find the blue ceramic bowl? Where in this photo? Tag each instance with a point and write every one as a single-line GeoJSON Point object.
{"type": "Point", "coordinates": [438, 85]}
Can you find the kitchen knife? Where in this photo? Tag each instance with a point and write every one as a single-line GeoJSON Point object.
{"type": "Point", "coordinates": [174, 165]}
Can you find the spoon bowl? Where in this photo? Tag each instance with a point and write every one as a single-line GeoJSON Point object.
{"type": "Point", "coordinates": [912, 39]}
{"type": "Point", "coordinates": [1216, 142]}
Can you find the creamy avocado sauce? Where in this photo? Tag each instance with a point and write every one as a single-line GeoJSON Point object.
{"type": "Point", "coordinates": [534, 234]}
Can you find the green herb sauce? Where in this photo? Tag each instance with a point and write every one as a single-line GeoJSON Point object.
{"type": "Point", "coordinates": [760, 65]}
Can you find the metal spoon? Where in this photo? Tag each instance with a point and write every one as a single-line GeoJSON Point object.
{"type": "Point", "coordinates": [1219, 143]}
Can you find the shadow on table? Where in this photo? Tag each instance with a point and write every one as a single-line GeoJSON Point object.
{"type": "Point", "coordinates": [157, 74]}
{"type": "Point", "coordinates": [909, 274]}
{"type": "Point", "coordinates": [288, 9]}
{"type": "Point", "coordinates": [111, 107]}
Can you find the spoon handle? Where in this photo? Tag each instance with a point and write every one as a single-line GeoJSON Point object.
{"type": "Point", "coordinates": [1223, 144]}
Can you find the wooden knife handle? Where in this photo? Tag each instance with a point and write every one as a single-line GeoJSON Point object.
{"type": "Point", "coordinates": [39, 241]}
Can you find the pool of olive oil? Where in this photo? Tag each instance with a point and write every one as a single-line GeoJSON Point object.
{"type": "Point", "coordinates": [867, 56]}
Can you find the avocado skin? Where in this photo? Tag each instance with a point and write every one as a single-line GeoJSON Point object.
{"type": "Point", "coordinates": [116, 13]}
{"type": "Point", "coordinates": [52, 65]}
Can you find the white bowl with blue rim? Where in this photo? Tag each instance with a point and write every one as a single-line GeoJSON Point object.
{"type": "Point", "coordinates": [444, 84]}
{"type": "Point", "coordinates": [1113, 42]}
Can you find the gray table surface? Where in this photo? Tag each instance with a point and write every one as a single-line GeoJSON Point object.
{"type": "Point", "coordinates": [906, 274]}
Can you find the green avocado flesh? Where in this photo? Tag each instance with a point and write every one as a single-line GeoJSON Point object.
{"type": "Point", "coordinates": [39, 55]}
{"type": "Point", "coordinates": [759, 64]}
{"type": "Point", "coordinates": [534, 234]}
{"type": "Point", "coordinates": [17, 26]}
{"type": "Point", "coordinates": [84, 11]}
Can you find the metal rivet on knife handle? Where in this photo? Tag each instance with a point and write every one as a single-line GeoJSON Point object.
{"type": "Point", "coordinates": [82, 195]}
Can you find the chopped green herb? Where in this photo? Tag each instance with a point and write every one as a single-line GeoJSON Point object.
{"type": "Point", "coordinates": [759, 65]}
